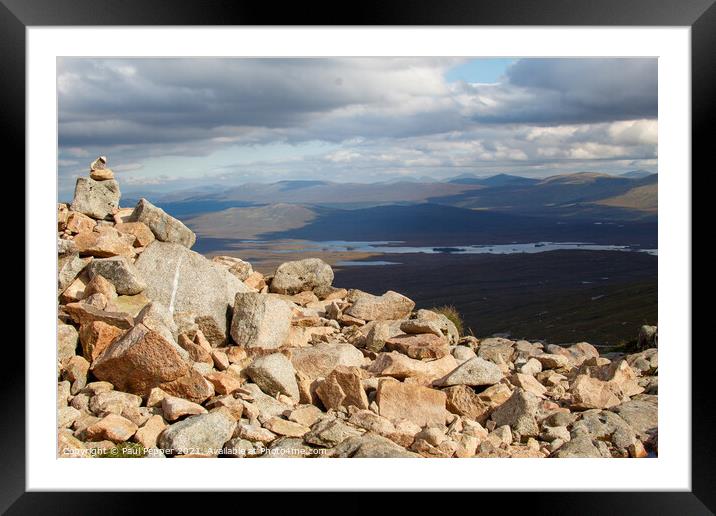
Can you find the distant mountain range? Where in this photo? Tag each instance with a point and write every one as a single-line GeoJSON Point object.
{"type": "Point", "coordinates": [637, 174]}
{"type": "Point", "coordinates": [586, 195]}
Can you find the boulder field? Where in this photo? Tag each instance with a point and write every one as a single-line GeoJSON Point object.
{"type": "Point", "coordinates": [166, 351]}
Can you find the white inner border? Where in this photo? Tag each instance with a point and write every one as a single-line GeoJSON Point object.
{"type": "Point", "coordinates": [670, 471]}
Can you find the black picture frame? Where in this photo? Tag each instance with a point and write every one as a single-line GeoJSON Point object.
{"type": "Point", "coordinates": [700, 15]}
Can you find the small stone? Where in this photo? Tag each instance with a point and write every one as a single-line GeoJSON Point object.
{"type": "Point", "coordinates": [63, 393]}
{"type": "Point", "coordinates": [96, 336]}
{"type": "Point", "coordinates": [221, 361]}
{"type": "Point", "coordinates": [120, 272]}
{"type": "Point", "coordinates": [372, 422]}
{"type": "Point", "coordinates": [165, 227]}
{"type": "Point", "coordinates": [519, 412]}
{"type": "Point", "coordinates": [260, 321]}
{"type": "Point", "coordinates": [104, 244]}
{"type": "Point", "coordinates": [75, 371]}
{"type": "Point", "coordinates": [400, 366]}
{"type": "Point", "coordinates": [204, 434]}
{"type": "Point", "coordinates": [155, 397]}
{"type": "Point", "coordinates": [149, 432]}
{"type": "Point", "coordinates": [371, 446]}
{"type": "Point", "coordinates": [390, 305]}
{"type": "Point", "coordinates": [192, 386]}
{"type": "Point", "coordinates": [196, 352]}
{"type": "Point", "coordinates": [99, 164]}
{"type": "Point", "coordinates": [100, 285]}
{"type": "Point", "coordinates": [274, 374]}
{"type": "Point", "coordinates": [254, 433]}
{"type": "Point", "coordinates": [474, 372]}
{"type": "Point", "coordinates": [113, 402]}
{"type": "Point", "coordinates": [69, 267]}
{"type": "Point", "coordinates": [496, 350]}
{"type": "Point", "coordinates": [297, 276]}
{"type": "Point", "coordinates": [76, 290]}
{"type": "Point", "coordinates": [67, 337]}
{"type": "Point", "coordinates": [305, 415]}
{"type": "Point", "coordinates": [418, 326]}
{"type": "Point", "coordinates": [330, 432]}
{"type": "Point", "coordinates": [66, 416]}
{"type": "Point", "coordinates": [255, 281]}
{"type": "Point", "coordinates": [531, 367]}
{"type": "Point", "coordinates": [466, 446]}
{"type": "Point", "coordinates": [236, 354]}
{"type": "Point", "coordinates": [224, 383]}
{"type": "Point", "coordinates": [283, 427]}
{"type": "Point", "coordinates": [529, 384]}
{"type": "Point", "coordinates": [379, 333]}
{"type": "Point", "coordinates": [79, 223]}
{"type": "Point", "coordinates": [463, 353]}
{"type": "Point", "coordinates": [69, 446]}
{"type": "Point", "coordinates": [235, 266]}
{"type": "Point", "coordinates": [156, 317]}
{"type": "Point", "coordinates": [173, 408]}
{"type": "Point", "coordinates": [581, 447]}
{"type": "Point", "coordinates": [550, 433]}
{"type": "Point", "coordinates": [343, 387]}
{"type": "Point", "coordinates": [551, 361]}
{"type": "Point", "coordinates": [588, 392]}
{"type": "Point", "coordinates": [425, 346]}
{"type": "Point", "coordinates": [241, 448]}
{"type": "Point", "coordinates": [140, 231]}
{"type": "Point", "coordinates": [65, 247]}
{"type": "Point", "coordinates": [63, 213]}
{"type": "Point", "coordinates": [318, 361]}
{"type": "Point", "coordinates": [111, 427]}
{"type": "Point", "coordinates": [102, 175]}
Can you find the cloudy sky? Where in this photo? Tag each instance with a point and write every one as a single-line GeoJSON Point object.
{"type": "Point", "coordinates": [177, 123]}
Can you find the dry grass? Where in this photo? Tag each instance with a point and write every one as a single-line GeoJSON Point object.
{"type": "Point", "coordinates": [451, 313]}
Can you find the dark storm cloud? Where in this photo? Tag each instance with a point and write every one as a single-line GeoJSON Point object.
{"type": "Point", "coordinates": [115, 101]}
{"type": "Point", "coordinates": [558, 91]}
{"type": "Point", "coordinates": [376, 116]}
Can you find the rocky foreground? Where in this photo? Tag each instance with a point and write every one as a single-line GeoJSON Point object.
{"type": "Point", "coordinates": [165, 353]}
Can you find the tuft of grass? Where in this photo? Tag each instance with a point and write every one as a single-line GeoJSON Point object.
{"type": "Point", "coordinates": [451, 313]}
{"type": "Point", "coordinates": [125, 450]}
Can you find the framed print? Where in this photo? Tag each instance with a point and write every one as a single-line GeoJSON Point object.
{"type": "Point", "coordinates": [429, 248]}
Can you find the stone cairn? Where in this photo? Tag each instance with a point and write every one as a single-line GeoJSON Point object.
{"type": "Point", "coordinates": [165, 352]}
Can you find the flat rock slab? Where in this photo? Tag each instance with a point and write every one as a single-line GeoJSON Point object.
{"type": "Point", "coordinates": [82, 313]}
{"type": "Point", "coordinates": [321, 359]}
{"type": "Point", "coordinates": [185, 281]}
{"type": "Point", "coordinates": [424, 346]}
{"type": "Point", "coordinates": [421, 405]}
